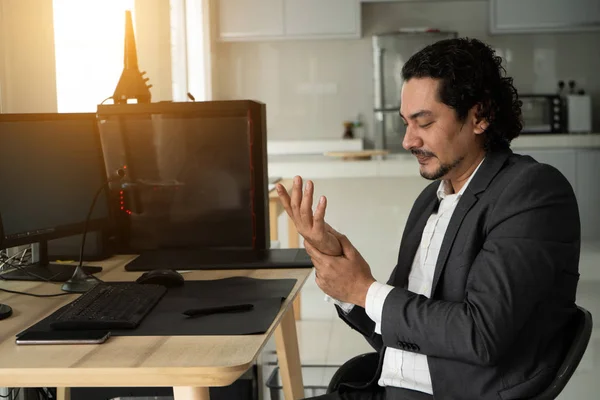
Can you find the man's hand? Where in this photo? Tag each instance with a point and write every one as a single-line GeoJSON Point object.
{"type": "Point", "coordinates": [347, 277]}
{"type": "Point", "coordinates": [313, 228]}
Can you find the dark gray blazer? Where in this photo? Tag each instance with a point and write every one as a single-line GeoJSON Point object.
{"type": "Point", "coordinates": [504, 285]}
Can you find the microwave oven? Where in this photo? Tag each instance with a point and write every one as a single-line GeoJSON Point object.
{"type": "Point", "coordinates": [543, 113]}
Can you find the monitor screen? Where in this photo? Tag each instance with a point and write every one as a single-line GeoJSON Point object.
{"type": "Point", "coordinates": [190, 175]}
{"type": "Point", "coordinates": [51, 165]}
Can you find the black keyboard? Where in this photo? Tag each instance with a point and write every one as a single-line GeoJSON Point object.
{"type": "Point", "coordinates": [117, 305]}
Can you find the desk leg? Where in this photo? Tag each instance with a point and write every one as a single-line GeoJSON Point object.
{"type": "Point", "coordinates": [286, 341]}
{"type": "Point", "coordinates": [297, 307]}
{"type": "Point", "coordinates": [273, 215]}
{"type": "Point", "coordinates": [190, 393]}
{"type": "Point", "coordinates": [294, 243]}
{"type": "Point", "coordinates": [63, 393]}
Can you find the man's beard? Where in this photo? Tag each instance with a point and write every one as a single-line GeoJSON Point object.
{"type": "Point", "coordinates": [443, 168]}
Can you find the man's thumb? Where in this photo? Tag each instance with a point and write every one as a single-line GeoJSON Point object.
{"type": "Point", "coordinates": [347, 247]}
{"type": "Point", "coordinates": [330, 229]}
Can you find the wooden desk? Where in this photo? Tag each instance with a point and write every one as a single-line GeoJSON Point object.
{"type": "Point", "coordinates": [190, 364]}
{"type": "Point", "coordinates": [275, 210]}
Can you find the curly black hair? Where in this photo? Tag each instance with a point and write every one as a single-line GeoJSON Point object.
{"type": "Point", "coordinates": [470, 74]}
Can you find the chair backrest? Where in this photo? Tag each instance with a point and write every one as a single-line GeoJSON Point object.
{"type": "Point", "coordinates": [356, 370]}
{"type": "Point", "coordinates": [581, 338]}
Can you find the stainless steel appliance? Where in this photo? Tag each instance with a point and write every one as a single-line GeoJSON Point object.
{"type": "Point", "coordinates": [543, 113]}
{"type": "Point", "coordinates": [390, 53]}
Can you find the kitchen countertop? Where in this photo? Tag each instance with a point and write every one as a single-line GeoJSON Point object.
{"type": "Point", "coordinates": [556, 141]}
{"type": "Point", "coordinates": [314, 166]}
{"type": "Point", "coordinates": [320, 166]}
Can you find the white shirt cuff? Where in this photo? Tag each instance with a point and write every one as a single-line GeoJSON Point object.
{"type": "Point", "coordinates": [376, 296]}
{"type": "Point", "coordinates": [346, 307]}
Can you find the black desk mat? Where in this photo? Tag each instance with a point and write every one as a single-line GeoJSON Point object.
{"type": "Point", "coordinates": [166, 319]}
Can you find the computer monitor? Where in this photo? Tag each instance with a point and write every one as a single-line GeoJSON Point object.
{"type": "Point", "coordinates": [51, 166]}
{"type": "Point", "coordinates": [196, 174]}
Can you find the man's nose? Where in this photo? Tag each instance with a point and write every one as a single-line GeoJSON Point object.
{"type": "Point", "coordinates": [411, 139]}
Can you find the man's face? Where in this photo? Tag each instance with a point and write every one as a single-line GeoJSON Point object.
{"type": "Point", "coordinates": [433, 132]}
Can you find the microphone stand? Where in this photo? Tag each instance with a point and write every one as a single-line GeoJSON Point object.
{"type": "Point", "coordinates": [5, 311]}
{"type": "Point", "coordinates": [81, 281]}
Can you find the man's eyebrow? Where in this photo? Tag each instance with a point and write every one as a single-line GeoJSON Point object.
{"type": "Point", "coordinates": [421, 113]}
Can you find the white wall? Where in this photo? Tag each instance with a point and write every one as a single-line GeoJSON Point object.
{"type": "Point", "coordinates": [153, 39]}
{"type": "Point", "coordinates": [311, 87]}
{"type": "Point", "coordinates": [28, 68]}
{"type": "Point", "coordinates": [27, 64]}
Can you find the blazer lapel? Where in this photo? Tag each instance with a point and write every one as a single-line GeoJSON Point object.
{"type": "Point", "coordinates": [487, 171]}
{"type": "Point", "coordinates": [410, 244]}
{"type": "Point", "coordinates": [465, 203]}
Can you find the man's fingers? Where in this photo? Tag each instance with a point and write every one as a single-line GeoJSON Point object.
{"type": "Point", "coordinates": [306, 204]}
{"type": "Point", "coordinates": [296, 197]}
{"type": "Point", "coordinates": [319, 218]}
{"type": "Point", "coordinates": [314, 254]}
{"type": "Point", "coordinates": [333, 231]}
{"type": "Point", "coordinates": [311, 250]}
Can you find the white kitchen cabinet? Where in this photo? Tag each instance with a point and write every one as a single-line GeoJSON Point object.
{"type": "Point", "coordinates": [239, 19]}
{"type": "Point", "coordinates": [528, 16]}
{"type": "Point", "coordinates": [588, 192]}
{"type": "Point", "coordinates": [580, 167]}
{"type": "Point", "coordinates": [322, 18]}
{"type": "Point", "coordinates": [253, 20]}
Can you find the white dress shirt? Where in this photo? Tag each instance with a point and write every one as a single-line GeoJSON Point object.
{"type": "Point", "coordinates": [404, 368]}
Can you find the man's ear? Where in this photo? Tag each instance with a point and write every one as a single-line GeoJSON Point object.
{"type": "Point", "coordinates": [480, 124]}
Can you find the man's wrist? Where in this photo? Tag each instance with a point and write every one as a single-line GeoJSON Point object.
{"type": "Point", "coordinates": [361, 299]}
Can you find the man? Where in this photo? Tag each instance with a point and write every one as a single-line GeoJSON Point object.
{"type": "Point", "coordinates": [480, 301]}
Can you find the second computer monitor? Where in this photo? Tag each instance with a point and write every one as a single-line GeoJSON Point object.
{"type": "Point", "coordinates": [196, 173]}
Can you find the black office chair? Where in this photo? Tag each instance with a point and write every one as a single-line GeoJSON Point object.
{"type": "Point", "coordinates": [353, 371]}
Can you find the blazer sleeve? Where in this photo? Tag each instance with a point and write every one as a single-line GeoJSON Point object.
{"type": "Point", "coordinates": [532, 233]}
{"type": "Point", "coordinates": [358, 320]}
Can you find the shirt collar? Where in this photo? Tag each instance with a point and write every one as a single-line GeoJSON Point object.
{"type": "Point", "coordinates": [441, 192]}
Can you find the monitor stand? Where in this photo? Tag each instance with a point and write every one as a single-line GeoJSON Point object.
{"type": "Point", "coordinates": [42, 270]}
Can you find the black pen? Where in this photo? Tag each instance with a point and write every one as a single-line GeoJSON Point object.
{"type": "Point", "coordinates": [197, 312]}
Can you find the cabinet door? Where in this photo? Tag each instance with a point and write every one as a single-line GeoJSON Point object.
{"type": "Point", "coordinates": [514, 16]}
{"type": "Point", "coordinates": [322, 18]}
{"type": "Point", "coordinates": [239, 19]}
{"type": "Point", "coordinates": [588, 192]}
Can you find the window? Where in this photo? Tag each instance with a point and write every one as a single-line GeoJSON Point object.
{"type": "Point", "coordinates": [179, 79]}
{"type": "Point", "coordinates": [189, 49]}
{"type": "Point", "coordinates": [89, 39]}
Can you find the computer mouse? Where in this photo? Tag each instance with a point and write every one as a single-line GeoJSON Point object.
{"type": "Point", "coordinates": [164, 277]}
